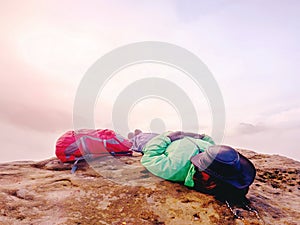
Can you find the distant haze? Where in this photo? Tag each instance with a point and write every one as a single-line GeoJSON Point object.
{"type": "Point", "coordinates": [251, 47]}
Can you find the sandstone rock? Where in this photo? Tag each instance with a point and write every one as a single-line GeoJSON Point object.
{"type": "Point", "coordinates": [121, 191]}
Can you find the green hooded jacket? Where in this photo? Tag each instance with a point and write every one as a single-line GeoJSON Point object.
{"type": "Point", "coordinates": [171, 160]}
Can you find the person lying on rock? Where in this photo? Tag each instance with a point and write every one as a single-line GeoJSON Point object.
{"type": "Point", "coordinates": [139, 139]}
{"type": "Point", "coordinates": [198, 163]}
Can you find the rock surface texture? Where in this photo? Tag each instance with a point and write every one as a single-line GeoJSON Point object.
{"type": "Point", "coordinates": [122, 191]}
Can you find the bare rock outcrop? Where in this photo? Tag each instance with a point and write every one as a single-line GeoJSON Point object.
{"type": "Point", "coordinates": [121, 191]}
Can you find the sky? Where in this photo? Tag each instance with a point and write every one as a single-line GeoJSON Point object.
{"type": "Point", "coordinates": [251, 48]}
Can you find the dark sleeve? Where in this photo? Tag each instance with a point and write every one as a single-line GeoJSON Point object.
{"type": "Point", "coordinates": [180, 134]}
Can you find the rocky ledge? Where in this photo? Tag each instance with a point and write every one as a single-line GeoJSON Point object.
{"type": "Point", "coordinates": [121, 191]}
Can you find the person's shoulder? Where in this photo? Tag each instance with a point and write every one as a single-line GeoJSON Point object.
{"type": "Point", "coordinates": [208, 139]}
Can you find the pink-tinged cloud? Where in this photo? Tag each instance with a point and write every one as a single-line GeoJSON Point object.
{"type": "Point", "coordinates": [31, 101]}
{"type": "Point", "coordinates": [46, 46]}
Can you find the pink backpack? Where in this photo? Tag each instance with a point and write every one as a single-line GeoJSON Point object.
{"type": "Point", "coordinates": [73, 146]}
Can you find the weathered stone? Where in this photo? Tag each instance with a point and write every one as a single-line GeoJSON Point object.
{"type": "Point", "coordinates": [106, 192]}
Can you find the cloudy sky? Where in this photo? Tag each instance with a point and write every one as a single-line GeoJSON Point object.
{"type": "Point", "coordinates": [251, 48]}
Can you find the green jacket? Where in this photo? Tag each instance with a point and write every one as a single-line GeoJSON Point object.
{"type": "Point", "coordinates": [171, 160]}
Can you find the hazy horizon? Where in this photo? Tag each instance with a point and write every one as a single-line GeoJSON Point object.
{"type": "Point", "coordinates": [251, 48]}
